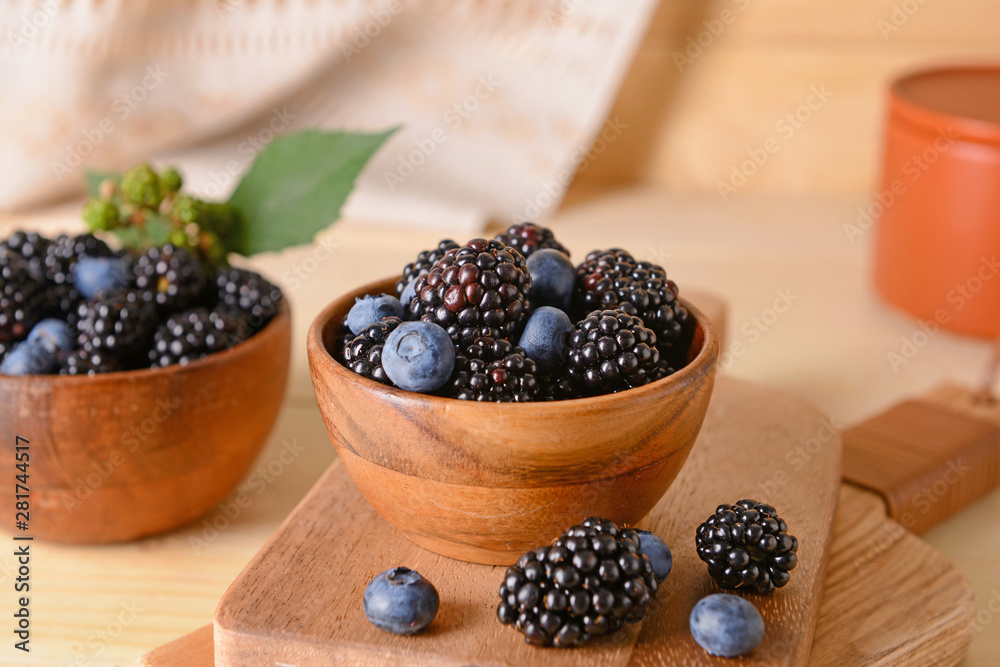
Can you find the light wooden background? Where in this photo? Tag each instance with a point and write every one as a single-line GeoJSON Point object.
{"type": "Point", "coordinates": [686, 129]}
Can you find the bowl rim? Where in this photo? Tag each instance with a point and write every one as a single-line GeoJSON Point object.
{"type": "Point", "coordinates": [218, 358]}
{"type": "Point", "coordinates": [320, 360]}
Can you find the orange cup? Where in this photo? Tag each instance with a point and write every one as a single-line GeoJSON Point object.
{"type": "Point", "coordinates": [937, 253]}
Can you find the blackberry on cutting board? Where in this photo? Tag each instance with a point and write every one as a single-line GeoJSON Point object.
{"type": "Point", "coordinates": [590, 581]}
{"type": "Point", "coordinates": [249, 293]}
{"type": "Point", "coordinates": [747, 546]}
{"type": "Point", "coordinates": [615, 279]}
{"type": "Point", "coordinates": [528, 237]}
{"type": "Point", "coordinates": [64, 251]}
{"type": "Point", "coordinates": [118, 323]}
{"type": "Point", "coordinates": [363, 353]}
{"type": "Point", "coordinates": [20, 293]}
{"type": "Point", "coordinates": [611, 350]}
{"type": "Point", "coordinates": [169, 277]}
{"type": "Point", "coordinates": [423, 263]}
{"type": "Point", "coordinates": [483, 284]}
{"type": "Point", "coordinates": [192, 335]}
{"type": "Point", "coordinates": [493, 370]}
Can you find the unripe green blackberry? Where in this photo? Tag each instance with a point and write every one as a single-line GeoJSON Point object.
{"type": "Point", "coordinates": [747, 546]}
{"type": "Point", "coordinates": [100, 215]}
{"type": "Point", "coordinates": [170, 180]}
{"type": "Point", "coordinates": [587, 584]}
{"type": "Point", "coordinates": [140, 186]}
{"type": "Point", "coordinates": [483, 284]}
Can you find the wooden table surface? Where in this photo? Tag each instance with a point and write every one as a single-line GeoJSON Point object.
{"type": "Point", "coordinates": [802, 318]}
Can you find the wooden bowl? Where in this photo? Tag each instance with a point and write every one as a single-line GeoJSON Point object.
{"type": "Point", "coordinates": [484, 482]}
{"type": "Point", "coordinates": [124, 455]}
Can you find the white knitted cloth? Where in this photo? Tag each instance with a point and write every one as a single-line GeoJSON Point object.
{"type": "Point", "coordinates": [499, 99]}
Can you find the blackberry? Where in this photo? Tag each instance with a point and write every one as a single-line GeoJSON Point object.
{"type": "Point", "coordinates": [495, 371]}
{"type": "Point", "coordinates": [423, 263]}
{"type": "Point", "coordinates": [118, 323]}
{"type": "Point", "coordinates": [79, 362]}
{"type": "Point", "coordinates": [590, 581]}
{"type": "Point", "coordinates": [246, 292]}
{"type": "Point", "coordinates": [60, 301]}
{"type": "Point", "coordinates": [480, 286]}
{"type": "Point", "coordinates": [192, 335]}
{"type": "Point", "coordinates": [528, 237]}
{"type": "Point", "coordinates": [747, 546]}
{"type": "Point", "coordinates": [30, 246]}
{"type": "Point", "coordinates": [363, 353]}
{"type": "Point", "coordinates": [169, 277]}
{"type": "Point", "coordinates": [20, 293]}
{"type": "Point", "coordinates": [614, 279]}
{"type": "Point", "coordinates": [555, 386]}
{"type": "Point", "coordinates": [611, 350]}
{"type": "Point", "coordinates": [64, 251]}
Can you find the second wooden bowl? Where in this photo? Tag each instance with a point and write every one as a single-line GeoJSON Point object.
{"type": "Point", "coordinates": [484, 482]}
{"type": "Point", "coordinates": [124, 455]}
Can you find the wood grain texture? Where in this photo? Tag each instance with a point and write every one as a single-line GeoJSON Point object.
{"type": "Point", "coordinates": [872, 561]}
{"type": "Point", "coordinates": [124, 455]}
{"type": "Point", "coordinates": [484, 482]}
{"type": "Point", "coordinates": [298, 602]}
{"type": "Point", "coordinates": [928, 460]}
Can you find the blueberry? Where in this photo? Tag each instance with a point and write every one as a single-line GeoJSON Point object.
{"type": "Point", "coordinates": [53, 334]}
{"type": "Point", "coordinates": [726, 625]}
{"type": "Point", "coordinates": [93, 274]}
{"type": "Point", "coordinates": [409, 292]}
{"type": "Point", "coordinates": [544, 337]}
{"type": "Point", "coordinates": [370, 309]}
{"type": "Point", "coordinates": [28, 358]}
{"type": "Point", "coordinates": [552, 279]}
{"type": "Point", "coordinates": [418, 356]}
{"type": "Point", "coordinates": [400, 601]}
{"type": "Point", "coordinates": [658, 553]}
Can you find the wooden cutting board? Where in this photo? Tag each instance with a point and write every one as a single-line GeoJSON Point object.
{"type": "Point", "coordinates": [298, 602]}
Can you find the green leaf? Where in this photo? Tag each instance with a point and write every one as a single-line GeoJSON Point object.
{"type": "Point", "coordinates": [297, 185]}
{"type": "Point", "coordinates": [94, 179]}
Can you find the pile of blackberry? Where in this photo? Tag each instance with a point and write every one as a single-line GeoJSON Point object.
{"type": "Point", "coordinates": [170, 309]}
{"type": "Point", "coordinates": [587, 584]}
{"type": "Point", "coordinates": [630, 327]}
